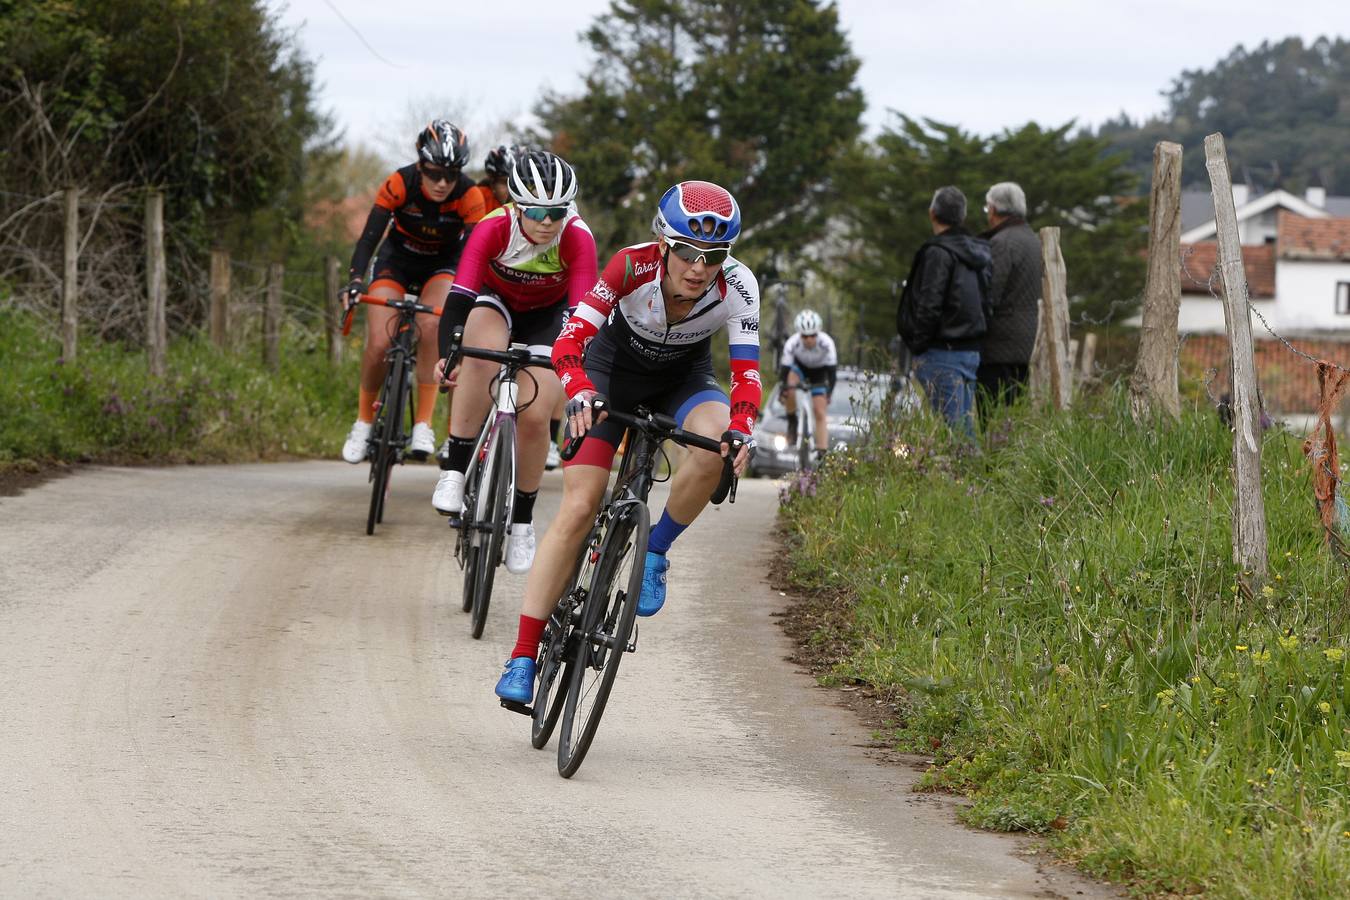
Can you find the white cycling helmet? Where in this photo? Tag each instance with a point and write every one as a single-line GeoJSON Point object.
{"type": "Point", "coordinates": [540, 178]}
{"type": "Point", "coordinates": [808, 321]}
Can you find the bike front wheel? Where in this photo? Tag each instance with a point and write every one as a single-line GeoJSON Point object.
{"type": "Point", "coordinates": [602, 637]}
{"type": "Point", "coordinates": [490, 522]}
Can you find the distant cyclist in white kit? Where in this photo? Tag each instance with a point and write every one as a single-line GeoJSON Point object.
{"type": "Point", "coordinates": [809, 360]}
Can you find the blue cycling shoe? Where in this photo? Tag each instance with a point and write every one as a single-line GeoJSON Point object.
{"type": "Point", "coordinates": [653, 595]}
{"type": "Point", "coordinates": [517, 682]}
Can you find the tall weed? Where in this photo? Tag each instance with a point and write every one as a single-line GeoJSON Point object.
{"type": "Point", "coordinates": [213, 406]}
{"type": "Point", "coordinates": [1063, 613]}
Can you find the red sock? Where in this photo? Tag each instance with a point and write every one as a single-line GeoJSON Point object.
{"type": "Point", "coordinates": [528, 637]}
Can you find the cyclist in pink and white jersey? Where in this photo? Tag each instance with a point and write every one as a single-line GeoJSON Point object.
{"type": "Point", "coordinates": [518, 270]}
{"type": "Point", "coordinates": [642, 335]}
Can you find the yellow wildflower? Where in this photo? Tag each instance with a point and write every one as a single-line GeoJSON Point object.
{"type": "Point", "coordinates": [1261, 657]}
{"type": "Point", "coordinates": [1325, 707]}
{"type": "Point", "coordinates": [1270, 771]}
{"type": "Point", "coordinates": [1241, 648]}
{"type": "Point", "coordinates": [1165, 696]}
{"type": "Point", "coordinates": [1267, 591]}
{"type": "Point", "coordinates": [1342, 758]}
{"type": "Point", "coordinates": [1288, 641]}
{"type": "Point", "coordinates": [1333, 654]}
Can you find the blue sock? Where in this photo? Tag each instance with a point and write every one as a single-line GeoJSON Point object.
{"type": "Point", "coordinates": [664, 534]}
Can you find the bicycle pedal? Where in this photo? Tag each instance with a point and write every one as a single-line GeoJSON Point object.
{"type": "Point", "coordinates": [632, 645]}
{"type": "Point", "coordinates": [517, 707]}
{"type": "Point", "coordinates": [454, 520]}
{"type": "Point", "coordinates": [419, 455]}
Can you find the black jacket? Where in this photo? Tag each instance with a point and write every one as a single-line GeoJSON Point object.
{"type": "Point", "coordinates": [1013, 293]}
{"type": "Point", "coordinates": [945, 302]}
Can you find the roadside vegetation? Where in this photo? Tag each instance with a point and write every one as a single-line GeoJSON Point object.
{"type": "Point", "coordinates": [1062, 621]}
{"type": "Point", "coordinates": [212, 406]}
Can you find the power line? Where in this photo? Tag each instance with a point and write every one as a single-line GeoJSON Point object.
{"type": "Point", "coordinates": [360, 37]}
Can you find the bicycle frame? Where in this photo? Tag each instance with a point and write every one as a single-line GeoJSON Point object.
{"type": "Point", "coordinates": [504, 406]}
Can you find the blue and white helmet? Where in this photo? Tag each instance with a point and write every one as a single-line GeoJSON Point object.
{"type": "Point", "coordinates": [698, 211]}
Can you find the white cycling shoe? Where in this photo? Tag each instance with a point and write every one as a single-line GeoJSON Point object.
{"type": "Point", "coordinates": [448, 497]}
{"type": "Point", "coordinates": [520, 549]}
{"type": "Point", "coordinates": [354, 449]}
{"type": "Point", "coordinates": [423, 442]}
{"type": "Point", "coordinates": [554, 458]}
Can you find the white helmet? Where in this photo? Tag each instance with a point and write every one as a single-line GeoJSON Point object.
{"type": "Point", "coordinates": [808, 321]}
{"type": "Point", "coordinates": [540, 178]}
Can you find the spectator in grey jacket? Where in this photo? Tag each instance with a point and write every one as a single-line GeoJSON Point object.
{"type": "Point", "coordinates": [1014, 292]}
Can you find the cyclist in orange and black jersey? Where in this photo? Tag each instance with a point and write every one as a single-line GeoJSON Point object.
{"type": "Point", "coordinates": [432, 205]}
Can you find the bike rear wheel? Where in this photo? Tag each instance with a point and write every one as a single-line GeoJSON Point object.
{"type": "Point", "coordinates": [602, 637]}
{"type": "Point", "coordinates": [493, 508]}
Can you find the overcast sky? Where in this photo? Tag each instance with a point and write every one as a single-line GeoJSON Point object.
{"type": "Point", "coordinates": [983, 65]}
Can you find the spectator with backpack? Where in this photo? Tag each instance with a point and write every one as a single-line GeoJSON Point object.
{"type": "Point", "coordinates": [944, 310]}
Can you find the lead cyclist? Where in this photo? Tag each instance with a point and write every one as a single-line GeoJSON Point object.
{"type": "Point", "coordinates": [643, 335]}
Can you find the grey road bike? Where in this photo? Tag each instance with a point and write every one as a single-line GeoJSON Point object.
{"type": "Point", "coordinates": [593, 625]}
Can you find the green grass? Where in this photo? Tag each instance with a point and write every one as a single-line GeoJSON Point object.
{"type": "Point", "coordinates": [213, 406]}
{"type": "Point", "coordinates": [1063, 616]}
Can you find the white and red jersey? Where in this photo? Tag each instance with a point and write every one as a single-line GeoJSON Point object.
{"type": "Point", "coordinates": [626, 312]}
{"type": "Point", "coordinates": [499, 259]}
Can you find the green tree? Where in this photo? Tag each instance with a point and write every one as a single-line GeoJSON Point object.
{"type": "Point", "coordinates": [209, 101]}
{"type": "Point", "coordinates": [1283, 108]}
{"type": "Point", "coordinates": [757, 95]}
{"type": "Point", "coordinates": [1069, 181]}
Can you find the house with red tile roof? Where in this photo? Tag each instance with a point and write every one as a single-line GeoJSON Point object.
{"type": "Point", "coordinates": [1299, 281]}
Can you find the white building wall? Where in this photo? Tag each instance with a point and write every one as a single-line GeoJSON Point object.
{"type": "Point", "coordinates": [1305, 292]}
{"type": "Point", "coordinates": [1203, 314]}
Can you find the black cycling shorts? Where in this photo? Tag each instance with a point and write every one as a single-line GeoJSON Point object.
{"type": "Point", "coordinates": [674, 392]}
{"type": "Point", "coordinates": [535, 328]}
{"type": "Point", "coordinates": [408, 272]}
{"type": "Point", "coordinates": [815, 379]}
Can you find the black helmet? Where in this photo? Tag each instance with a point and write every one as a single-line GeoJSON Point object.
{"type": "Point", "coordinates": [443, 144]}
{"type": "Point", "coordinates": [540, 178]}
{"type": "Point", "coordinates": [498, 162]}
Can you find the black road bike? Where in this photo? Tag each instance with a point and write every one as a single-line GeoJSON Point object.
{"type": "Point", "coordinates": [593, 625]}
{"type": "Point", "coordinates": [394, 412]}
{"type": "Point", "coordinates": [490, 481]}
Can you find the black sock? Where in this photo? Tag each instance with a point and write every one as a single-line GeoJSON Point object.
{"type": "Point", "coordinates": [553, 426]}
{"type": "Point", "coordinates": [457, 454]}
{"type": "Point", "coordinates": [523, 514]}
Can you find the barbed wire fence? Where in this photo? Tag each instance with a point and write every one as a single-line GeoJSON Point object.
{"type": "Point", "coordinates": [111, 256]}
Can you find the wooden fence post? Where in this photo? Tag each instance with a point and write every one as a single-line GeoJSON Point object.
{"type": "Point", "coordinates": [1153, 387]}
{"type": "Point", "coordinates": [332, 313]}
{"type": "Point", "coordinates": [1249, 510]}
{"type": "Point", "coordinates": [1089, 356]}
{"type": "Point", "coordinates": [1054, 331]}
{"type": "Point", "coordinates": [70, 293]}
{"type": "Point", "coordinates": [156, 326]}
{"type": "Point", "coordinates": [220, 297]}
{"type": "Point", "coordinates": [272, 317]}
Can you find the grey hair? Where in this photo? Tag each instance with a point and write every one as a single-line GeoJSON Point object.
{"type": "Point", "coordinates": [1007, 199]}
{"type": "Point", "coordinates": [949, 205]}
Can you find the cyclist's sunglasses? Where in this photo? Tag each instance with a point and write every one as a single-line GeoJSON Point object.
{"type": "Point", "coordinates": [434, 174]}
{"type": "Point", "coordinates": [691, 253]}
{"type": "Point", "coordinates": [544, 213]}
